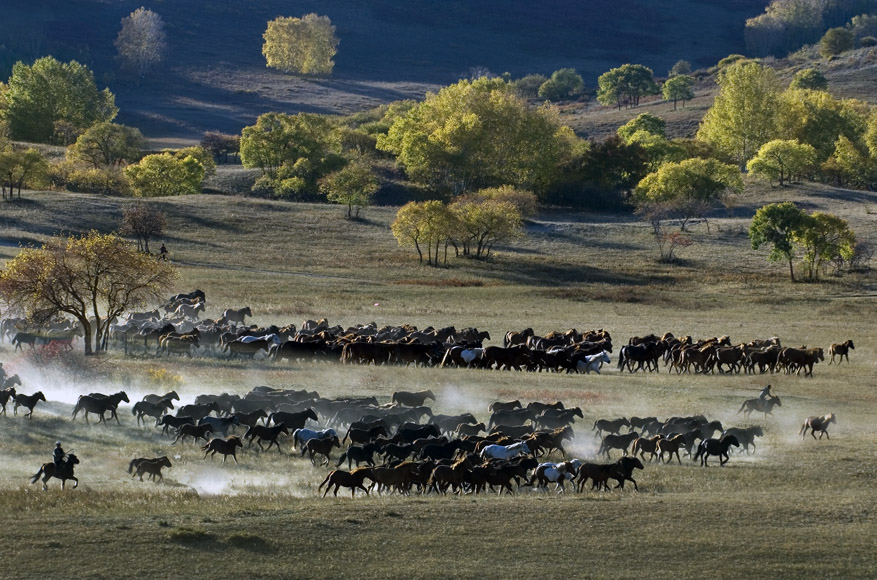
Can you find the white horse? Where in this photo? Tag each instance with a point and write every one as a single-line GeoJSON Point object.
{"type": "Point", "coordinates": [272, 338]}
{"type": "Point", "coordinates": [505, 451]}
{"type": "Point", "coordinates": [593, 362]}
{"type": "Point", "coordinates": [556, 473]}
{"type": "Point", "coordinates": [302, 436]}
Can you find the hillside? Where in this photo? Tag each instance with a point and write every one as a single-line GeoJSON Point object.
{"type": "Point", "coordinates": [216, 77]}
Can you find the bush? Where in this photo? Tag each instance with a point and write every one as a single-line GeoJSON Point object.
{"type": "Point", "coordinates": [528, 87]}
{"type": "Point", "coordinates": [66, 175]}
{"type": "Point", "coordinates": [564, 84]}
{"type": "Point", "coordinates": [836, 41]}
{"type": "Point", "coordinates": [731, 59]}
{"type": "Point", "coordinates": [867, 41]}
{"type": "Point", "coordinates": [809, 78]}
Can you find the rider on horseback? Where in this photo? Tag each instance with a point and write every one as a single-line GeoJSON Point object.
{"type": "Point", "coordinates": [58, 456]}
{"type": "Point", "coordinates": [765, 393]}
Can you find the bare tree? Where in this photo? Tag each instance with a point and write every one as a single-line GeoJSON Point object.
{"type": "Point", "coordinates": [141, 43]}
{"type": "Point", "coordinates": [144, 223]}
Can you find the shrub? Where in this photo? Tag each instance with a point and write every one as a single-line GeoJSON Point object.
{"type": "Point", "coordinates": [836, 41]}
{"type": "Point", "coordinates": [867, 41]}
{"type": "Point", "coordinates": [528, 87]}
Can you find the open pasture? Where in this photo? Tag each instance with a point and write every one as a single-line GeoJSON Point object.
{"type": "Point", "coordinates": [794, 507]}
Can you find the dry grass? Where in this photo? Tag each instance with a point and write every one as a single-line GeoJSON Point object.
{"type": "Point", "coordinates": [793, 507]}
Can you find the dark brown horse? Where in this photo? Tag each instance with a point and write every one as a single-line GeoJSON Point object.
{"type": "Point", "coordinates": [841, 350]}
{"type": "Point", "coordinates": [314, 447]}
{"type": "Point", "coordinates": [412, 399]}
{"type": "Point", "coordinates": [761, 405]}
{"type": "Point", "coordinates": [99, 404]}
{"type": "Point", "coordinates": [352, 479]}
{"type": "Point", "coordinates": [226, 447]}
{"type": "Point", "coordinates": [259, 433]}
{"type": "Point", "coordinates": [5, 395]}
{"type": "Point", "coordinates": [47, 470]}
{"type": "Point", "coordinates": [28, 401]}
{"type": "Point", "coordinates": [718, 447]}
{"type": "Point", "coordinates": [153, 466]}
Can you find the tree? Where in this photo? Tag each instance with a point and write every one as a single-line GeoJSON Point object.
{"type": "Point", "coordinates": [221, 145]}
{"type": "Point", "coordinates": [744, 114]}
{"type": "Point", "coordinates": [824, 237]}
{"type": "Point", "coordinates": [818, 118]}
{"type": "Point", "coordinates": [688, 188]}
{"type": "Point", "coordinates": [528, 87]}
{"type": "Point", "coordinates": [353, 185]}
{"type": "Point", "coordinates": [144, 223]}
{"type": "Point", "coordinates": [682, 67]}
{"type": "Point", "coordinates": [477, 134]}
{"type": "Point", "coordinates": [304, 45]}
{"type": "Point", "coordinates": [424, 224]}
{"type": "Point", "coordinates": [643, 122]}
{"type": "Point", "coordinates": [626, 84]}
{"type": "Point", "coordinates": [678, 88]}
{"type": "Point", "coordinates": [810, 79]}
{"type": "Point", "coordinates": [164, 174]}
{"type": "Point", "coordinates": [852, 165]}
{"type": "Point", "coordinates": [108, 145]}
{"type": "Point", "coordinates": [836, 41]}
{"type": "Point", "coordinates": [777, 224]}
{"type": "Point", "coordinates": [50, 92]}
{"type": "Point", "coordinates": [658, 150]}
{"type": "Point", "coordinates": [204, 157]}
{"type": "Point", "coordinates": [781, 159]}
{"type": "Point", "coordinates": [94, 278]}
{"type": "Point", "coordinates": [293, 151]}
{"type": "Point", "coordinates": [564, 84]}
{"type": "Point", "coordinates": [141, 43]}
{"type": "Point", "coordinates": [20, 166]}
{"type": "Point", "coordinates": [483, 221]}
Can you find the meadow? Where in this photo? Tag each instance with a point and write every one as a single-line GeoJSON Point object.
{"type": "Point", "coordinates": [795, 507]}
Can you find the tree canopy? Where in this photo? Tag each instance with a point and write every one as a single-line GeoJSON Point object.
{"type": "Point", "coordinates": [777, 224]}
{"type": "Point", "coordinates": [45, 98]}
{"type": "Point", "coordinates": [809, 78]}
{"type": "Point", "coordinates": [423, 225]}
{"type": "Point", "coordinates": [745, 112]}
{"type": "Point", "coordinates": [303, 45]}
{"type": "Point", "coordinates": [564, 83]}
{"type": "Point", "coordinates": [164, 174]}
{"type": "Point", "coordinates": [678, 88]}
{"type": "Point", "coordinates": [781, 159]}
{"type": "Point", "coordinates": [353, 185]}
{"type": "Point", "coordinates": [108, 145]}
{"type": "Point", "coordinates": [94, 278]}
{"type": "Point", "coordinates": [143, 222]}
{"type": "Point", "coordinates": [478, 134]}
{"type": "Point", "coordinates": [141, 43]}
{"type": "Point", "coordinates": [626, 84]}
{"type": "Point", "coordinates": [836, 41]}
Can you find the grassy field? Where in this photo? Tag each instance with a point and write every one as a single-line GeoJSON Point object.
{"type": "Point", "coordinates": [792, 508]}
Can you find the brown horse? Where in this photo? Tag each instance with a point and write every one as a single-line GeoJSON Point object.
{"type": "Point", "coordinates": [841, 350]}
{"type": "Point", "coordinates": [670, 446]}
{"type": "Point", "coordinates": [815, 424]}
{"type": "Point", "coordinates": [412, 399]}
{"type": "Point", "coordinates": [314, 447]}
{"type": "Point", "coordinates": [47, 470]}
{"type": "Point", "coordinates": [153, 466]}
{"type": "Point", "coordinates": [352, 479]}
{"type": "Point", "coordinates": [761, 405]}
{"type": "Point", "coordinates": [226, 447]}
{"type": "Point", "coordinates": [5, 395]}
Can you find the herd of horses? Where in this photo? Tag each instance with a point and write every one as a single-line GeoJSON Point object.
{"type": "Point", "coordinates": [404, 447]}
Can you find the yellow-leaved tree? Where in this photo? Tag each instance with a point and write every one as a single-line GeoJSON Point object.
{"type": "Point", "coordinates": [303, 45]}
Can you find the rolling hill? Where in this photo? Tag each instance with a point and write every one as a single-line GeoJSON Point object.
{"type": "Point", "coordinates": [215, 77]}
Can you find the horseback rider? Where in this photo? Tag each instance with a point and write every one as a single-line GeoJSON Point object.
{"type": "Point", "coordinates": [58, 456]}
{"type": "Point", "coordinates": [162, 252]}
{"type": "Point", "coordinates": [765, 394]}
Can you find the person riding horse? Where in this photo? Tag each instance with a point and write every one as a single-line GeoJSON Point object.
{"type": "Point", "coordinates": [765, 393]}
{"type": "Point", "coordinates": [162, 253]}
{"type": "Point", "coordinates": [58, 456]}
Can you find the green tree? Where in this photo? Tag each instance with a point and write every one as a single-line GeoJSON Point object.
{"type": "Point", "coordinates": [19, 167]}
{"type": "Point", "coordinates": [426, 224]}
{"type": "Point", "coordinates": [824, 237]}
{"type": "Point", "coordinates": [682, 67]}
{"type": "Point", "coordinates": [781, 159]}
{"type": "Point", "coordinates": [353, 185]}
{"type": "Point", "coordinates": [141, 43]}
{"type": "Point", "coordinates": [810, 79]}
{"type": "Point", "coordinates": [564, 84]}
{"type": "Point", "coordinates": [818, 118]}
{"type": "Point", "coordinates": [94, 278]}
{"type": "Point", "coordinates": [658, 150]}
{"type": "Point", "coordinates": [678, 88]}
{"type": "Point", "coordinates": [204, 157]}
{"type": "Point", "coordinates": [836, 41]}
{"type": "Point", "coordinates": [689, 188]}
{"type": "Point", "coordinates": [528, 87]}
{"type": "Point", "coordinates": [221, 145]}
{"type": "Point", "coordinates": [643, 122]}
{"type": "Point", "coordinates": [303, 45]}
{"type": "Point", "coordinates": [626, 84]}
{"type": "Point", "coordinates": [778, 224]}
{"type": "Point", "coordinates": [164, 174]}
{"type": "Point", "coordinates": [293, 151]}
{"type": "Point", "coordinates": [484, 219]}
{"type": "Point", "coordinates": [744, 114]}
{"type": "Point", "coordinates": [41, 96]}
{"type": "Point", "coordinates": [478, 134]}
{"type": "Point", "coordinates": [107, 145]}
{"type": "Point", "coordinates": [852, 164]}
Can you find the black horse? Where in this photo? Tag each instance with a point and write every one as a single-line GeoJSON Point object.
{"type": "Point", "coordinates": [47, 471]}
{"type": "Point", "coordinates": [99, 404]}
{"type": "Point", "coordinates": [718, 447]}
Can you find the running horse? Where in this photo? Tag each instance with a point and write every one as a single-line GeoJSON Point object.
{"type": "Point", "coordinates": [237, 316]}
{"type": "Point", "coordinates": [761, 405]}
{"type": "Point", "coordinates": [815, 424]}
{"type": "Point", "coordinates": [47, 471]}
{"type": "Point", "coordinates": [99, 404]}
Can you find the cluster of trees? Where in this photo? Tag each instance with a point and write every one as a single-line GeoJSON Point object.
{"type": "Point", "coordinates": [787, 25]}
{"type": "Point", "coordinates": [472, 224]}
{"type": "Point", "coordinates": [817, 238]}
{"type": "Point", "coordinates": [303, 45]}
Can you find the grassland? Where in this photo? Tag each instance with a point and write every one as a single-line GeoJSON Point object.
{"type": "Point", "coordinates": [793, 508]}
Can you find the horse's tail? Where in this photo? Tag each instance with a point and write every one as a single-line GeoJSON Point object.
{"type": "Point", "coordinates": [346, 435]}
{"type": "Point", "coordinates": [595, 425]}
{"type": "Point", "coordinates": [325, 480]}
{"type": "Point", "coordinates": [803, 428]}
{"type": "Point", "coordinates": [621, 358]}
{"type": "Point", "coordinates": [35, 477]}
{"type": "Point", "coordinates": [743, 406]}
{"type": "Point", "coordinates": [131, 466]}
{"type": "Point", "coordinates": [342, 459]}
{"type": "Point", "coordinates": [134, 409]}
